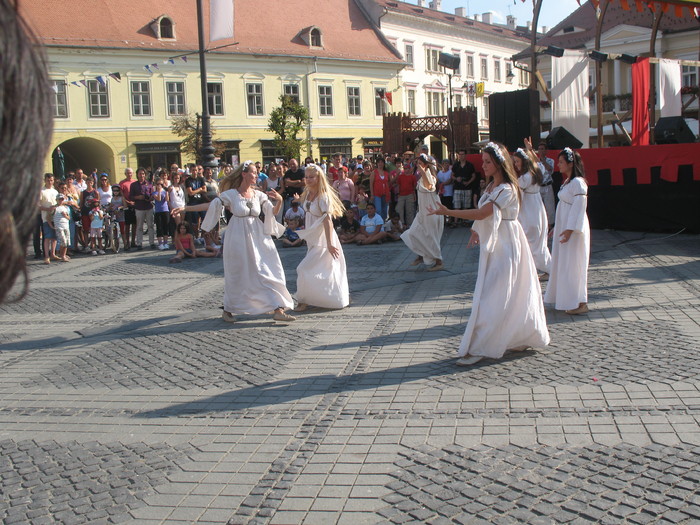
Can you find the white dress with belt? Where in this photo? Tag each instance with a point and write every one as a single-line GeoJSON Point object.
{"type": "Point", "coordinates": [322, 280]}
{"type": "Point", "coordinates": [254, 281]}
{"type": "Point", "coordinates": [533, 219]}
{"type": "Point", "coordinates": [568, 280]}
{"type": "Point", "coordinates": [423, 237]}
{"type": "Point", "coordinates": [507, 310]}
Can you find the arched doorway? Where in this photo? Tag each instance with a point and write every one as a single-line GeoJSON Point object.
{"type": "Point", "coordinates": [87, 154]}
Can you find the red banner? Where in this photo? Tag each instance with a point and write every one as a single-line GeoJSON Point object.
{"type": "Point", "coordinates": [640, 102]}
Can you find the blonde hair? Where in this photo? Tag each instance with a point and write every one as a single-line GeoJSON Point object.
{"type": "Point", "coordinates": [335, 206]}
{"type": "Point", "coordinates": [234, 179]}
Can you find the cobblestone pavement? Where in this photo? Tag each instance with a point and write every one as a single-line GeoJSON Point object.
{"type": "Point", "coordinates": [125, 399]}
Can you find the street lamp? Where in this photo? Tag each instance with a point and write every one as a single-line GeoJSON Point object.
{"type": "Point", "coordinates": [207, 154]}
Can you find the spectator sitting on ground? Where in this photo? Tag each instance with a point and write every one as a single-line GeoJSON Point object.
{"type": "Point", "coordinates": [393, 227]}
{"type": "Point", "coordinates": [295, 211]}
{"type": "Point", "coordinates": [291, 237]}
{"type": "Point", "coordinates": [184, 244]}
{"type": "Point", "coordinates": [349, 226]}
{"type": "Point", "coordinates": [371, 227]}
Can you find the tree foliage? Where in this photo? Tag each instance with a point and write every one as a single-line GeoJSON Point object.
{"type": "Point", "coordinates": [286, 122]}
{"type": "Point", "coordinates": [189, 127]}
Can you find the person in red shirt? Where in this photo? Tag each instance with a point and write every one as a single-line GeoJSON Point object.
{"type": "Point", "coordinates": [129, 212]}
{"type": "Point", "coordinates": [380, 188]}
{"type": "Point", "coordinates": [335, 168]}
{"type": "Point", "coordinates": [406, 204]}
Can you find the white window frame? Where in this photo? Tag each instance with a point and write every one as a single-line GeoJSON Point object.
{"type": "Point", "coordinates": [325, 100]}
{"type": "Point", "coordinates": [178, 96]}
{"type": "Point", "coordinates": [289, 87]}
{"type": "Point", "coordinates": [255, 102]}
{"type": "Point", "coordinates": [470, 65]}
{"type": "Point", "coordinates": [484, 68]}
{"type": "Point", "coordinates": [381, 106]}
{"type": "Point", "coordinates": [97, 94]}
{"type": "Point", "coordinates": [140, 99]}
{"type": "Point", "coordinates": [59, 98]}
{"type": "Point", "coordinates": [406, 54]}
{"type": "Point", "coordinates": [211, 99]}
{"type": "Point", "coordinates": [354, 109]}
{"type": "Point", "coordinates": [411, 101]}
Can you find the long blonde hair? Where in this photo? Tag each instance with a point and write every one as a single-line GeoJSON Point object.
{"type": "Point", "coordinates": [234, 179]}
{"type": "Point", "coordinates": [335, 206]}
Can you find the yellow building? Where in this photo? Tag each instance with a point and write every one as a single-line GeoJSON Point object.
{"type": "Point", "coordinates": [122, 70]}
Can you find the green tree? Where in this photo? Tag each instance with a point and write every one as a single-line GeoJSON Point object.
{"type": "Point", "coordinates": [190, 129]}
{"type": "Point", "coordinates": [286, 122]}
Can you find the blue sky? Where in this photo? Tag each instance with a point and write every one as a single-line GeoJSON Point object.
{"type": "Point", "coordinates": [553, 11]}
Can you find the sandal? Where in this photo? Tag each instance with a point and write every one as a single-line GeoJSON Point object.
{"type": "Point", "coordinates": [284, 317]}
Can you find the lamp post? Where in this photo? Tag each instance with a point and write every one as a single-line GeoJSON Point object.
{"type": "Point", "coordinates": [207, 153]}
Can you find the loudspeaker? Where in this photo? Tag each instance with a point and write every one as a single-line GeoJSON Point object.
{"type": "Point", "coordinates": [514, 116]}
{"type": "Point", "coordinates": [559, 138]}
{"type": "Point", "coordinates": [673, 130]}
{"type": "Point", "coordinates": [449, 61]}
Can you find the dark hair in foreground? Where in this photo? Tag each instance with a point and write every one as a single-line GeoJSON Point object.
{"type": "Point", "coordinates": [25, 132]}
{"type": "Point", "coordinates": [573, 157]}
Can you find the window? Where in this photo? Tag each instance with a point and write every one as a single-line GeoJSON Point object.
{"type": "Point", "coordinates": [292, 91]}
{"type": "Point", "coordinates": [432, 56]}
{"type": "Point", "coordinates": [140, 98]}
{"type": "Point", "coordinates": [470, 66]}
{"type": "Point", "coordinates": [354, 101]}
{"type": "Point", "coordinates": [690, 76]}
{"type": "Point", "coordinates": [327, 147]}
{"type": "Point", "coordinates": [509, 72]}
{"type": "Point", "coordinates": [497, 70]}
{"type": "Point", "coordinates": [484, 69]}
{"type": "Point", "coordinates": [471, 100]}
{"type": "Point", "coordinates": [434, 103]}
{"type": "Point", "coordinates": [316, 37]}
{"type": "Point", "coordinates": [458, 71]}
{"type": "Point", "coordinates": [176, 98]}
{"type": "Point", "coordinates": [215, 98]}
{"type": "Point", "coordinates": [485, 108]}
{"type": "Point", "coordinates": [408, 55]}
{"type": "Point", "coordinates": [458, 101]}
{"type": "Point", "coordinates": [380, 104]}
{"type": "Point", "coordinates": [270, 152]}
{"type": "Point", "coordinates": [411, 101]}
{"type": "Point", "coordinates": [98, 99]}
{"type": "Point", "coordinates": [255, 99]}
{"type": "Point", "coordinates": [59, 101]}
{"type": "Point", "coordinates": [325, 101]}
{"type": "Point", "coordinates": [166, 28]}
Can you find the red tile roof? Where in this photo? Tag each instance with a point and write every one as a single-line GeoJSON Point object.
{"type": "Point", "coordinates": [262, 27]}
{"type": "Point", "coordinates": [458, 21]}
{"type": "Point", "coordinates": [584, 18]}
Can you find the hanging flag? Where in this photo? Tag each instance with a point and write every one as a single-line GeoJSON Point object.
{"type": "Point", "coordinates": [83, 82]}
{"type": "Point", "coordinates": [480, 89]}
{"type": "Point", "coordinates": [155, 66]}
{"type": "Point", "coordinates": [102, 80]}
{"type": "Point", "coordinates": [184, 59]}
{"type": "Point", "coordinates": [148, 68]}
{"type": "Point", "coordinates": [389, 98]}
{"type": "Point", "coordinates": [169, 61]}
{"type": "Point", "coordinates": [54, 87]}
{"type": "Point", "coordinates": [116, 76]}
{"type": "Point", "coordinates": [75, 83]}
{"type": "Point", "coordinates": [220, 19]}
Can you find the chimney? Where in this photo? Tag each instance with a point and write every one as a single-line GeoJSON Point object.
{"type": "Point", "coordinates": [435, 4]}
{"type": "Point", "coordinates": [486, 17]}
{"type": "Point", "coordinates": [420, 3]}
{"type": "Point", "coordinates": [477, 17]}
{"type": "Point", "coordinates": [544, 30]}
{"type": "Point", "coordinates": [461, 11]}
{"type": "Point", "coordinates": [529, 25]}
{"type": "Point", "coordinates": [510, 21]}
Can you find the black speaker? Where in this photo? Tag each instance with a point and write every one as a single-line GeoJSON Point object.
{"type": "Point", "coordinates": [448, 61]}
{"type": "Point", "coordinates": [672, 130]}
{"type": "Point", "coordinates": [514, 116]}
{"type": "Point", "coordinates": [559, 138]}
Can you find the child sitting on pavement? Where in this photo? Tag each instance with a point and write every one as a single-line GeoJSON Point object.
{"type": "Point", "coordinates": [291, 237]}
{"type": "Point", "coordinates": [393, 227]}
{"type": "Point", "coordinates": [371, 227]}
{"type": "Point", "coordinates": [349, 226]}
{"type": "Point", "coordinates": [184, 244]}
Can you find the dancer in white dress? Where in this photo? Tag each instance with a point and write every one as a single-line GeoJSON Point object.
{"type": "Point", "coordinates": [322, 278]}
{"type": "Point", "coordinates": [423, 237]}
{"type": "Point", "coordinates": [254, 281]}
{"type": "Point", "coordinates": [568, 281]}
{"type": "Point", "coordinates": [532, 215]}
{"type": "Point", "coordinates": [507, 309]}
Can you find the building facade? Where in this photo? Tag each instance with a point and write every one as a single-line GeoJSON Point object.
{"type": "Point", "coordinates": [117, 89]}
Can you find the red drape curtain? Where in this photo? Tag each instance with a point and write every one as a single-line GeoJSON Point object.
{"type": "Point", "coordinates": [640, 102]}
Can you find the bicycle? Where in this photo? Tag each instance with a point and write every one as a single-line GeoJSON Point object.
{"type": "Point", "coordinates": [111, 231]}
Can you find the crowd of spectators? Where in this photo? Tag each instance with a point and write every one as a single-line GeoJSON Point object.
{"type": "Point", "coordinates": [379, 195]}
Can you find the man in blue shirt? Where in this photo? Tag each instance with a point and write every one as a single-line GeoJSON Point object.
{"type": "Point", "coordinates": [371, 227]}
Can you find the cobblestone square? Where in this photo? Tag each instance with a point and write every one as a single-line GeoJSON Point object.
{"type": "Point", "coordinates": [125, 399]}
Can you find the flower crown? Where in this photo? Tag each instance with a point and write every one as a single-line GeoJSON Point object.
{"type": "Point", "coordinates": [246, 164]}
{"type": "Point", "coordinates": [569, 153]}
{"type": "Point", "coordinates": [493, 147]}
{"type": "Point", "coordinates": [425, 158]}
{"type": "Point", "coordinates": [521, 153]}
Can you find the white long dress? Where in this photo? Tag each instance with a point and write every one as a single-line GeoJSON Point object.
{"type": "Point", "coordinates": [254, 281]}
{"type": "Point", "coordinates": [533, 219]}
{"type": "Point", "coordinates": [322, 280]}
{"type": "Point", "coordinates": [507, 310]}
{"type": "Point", "coordinates": [423, 237]}
{"type": "Point", "coordinates": [568, 280]}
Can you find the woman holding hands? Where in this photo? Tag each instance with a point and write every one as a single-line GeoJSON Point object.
{"type": "Point", "coordinates": [321, 276]}
{"type": "Point", "coordinates": [507, 309]}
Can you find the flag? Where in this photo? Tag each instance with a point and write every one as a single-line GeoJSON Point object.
{"type": "Point", "coordinates": [116, 76]}
{"type": "Point", "coordinates": [184, 59]}
{"type": "Point", "coordinates": [389, 97]}
{"type": "Point", "coordinates": [54, 87]}
{"type": "Point", "coordinates": [148, 68]}
{"type": "Point", "coordinates": [155, 66]}
{"type": "Point", "coordinates": [75, 83]}
{"type": "Point", "coordinates": [480, 89]}
{"type": "Point", "coordinates": [83, 82]}
{"type": "Point", "coordinates": [169, 61]}
{"type": "Point", "coordinates": [102, 80]}
{"type": "Point", "coordinates": [220, 19]}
